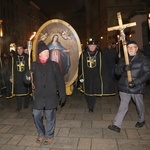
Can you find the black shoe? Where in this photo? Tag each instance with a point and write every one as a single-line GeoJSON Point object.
{"type": "Point", "coordinates": [18, 109]}
{"type": "Point", "coordinates": [91, 110]}
{"type": "Point", "coordinates": [25, 106]}
{"type": "Point", "coordinates": [140, 125]}
{"type": "Point", "coordinates": [114, 128]}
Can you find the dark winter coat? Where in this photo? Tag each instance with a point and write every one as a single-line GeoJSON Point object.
{"type": "Point", "coordinates": [48, 82]}
{"type": "Point", "coordinates": [96, 80]}
{"type": "Point", "coordinates": [140, 72]}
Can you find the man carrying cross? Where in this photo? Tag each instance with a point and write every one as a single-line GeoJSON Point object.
{"type": "Point", "coordinates": [134, 70]}
{"type": "Point", "coordinates": [139, 66]}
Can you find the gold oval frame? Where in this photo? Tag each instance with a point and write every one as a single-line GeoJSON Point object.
{"type": "Point", "coordinates": [69, 38]}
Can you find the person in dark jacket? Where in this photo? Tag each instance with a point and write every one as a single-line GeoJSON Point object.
{"type": "Point", "coordinates": [3, 72]}
{"type": "Point", "coordinates": [19, 68]}
{"type": "Point", "coordinates": [47, 82]}
{"type": "Point", "coordinates": [110, 54]}
{"type": "Point", "coordinates": [140, 71]}
{"type": "Point", "coordinates": [147, 50]}
{"type": "Point", "coordinates": [93, 76]}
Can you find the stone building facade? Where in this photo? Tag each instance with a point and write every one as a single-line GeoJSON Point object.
{"type": "Point", "coordinates": [20, 19]}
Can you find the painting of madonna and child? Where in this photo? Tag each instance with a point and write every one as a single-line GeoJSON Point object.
{"type": "Point", "coordinates": [64, 45]}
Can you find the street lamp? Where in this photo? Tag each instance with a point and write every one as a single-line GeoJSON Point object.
{"type": "Point", "coordinates": [130, 36]}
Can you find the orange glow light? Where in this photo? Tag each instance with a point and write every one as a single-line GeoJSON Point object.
{"type": "Point", "coordinates": [1, 30]}
{"type": "Point", "coordinates": [32, 36]}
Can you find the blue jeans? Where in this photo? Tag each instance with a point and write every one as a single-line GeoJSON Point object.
{"type": "Point", "coordinates": [50, 115]}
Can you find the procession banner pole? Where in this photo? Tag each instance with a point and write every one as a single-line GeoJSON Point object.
{"type": "Point", "coordinates": [1, 45]}
{"type": "Point", "coordinates": [1, 40]}
{"type": "Point", "coordinates": [12, 48]}
{"type": "Point", "coordinates": [29, 44]}
{"type": "Point", "coordinates": [149, 20]}
{"type": "Point", "coordinates": [121, 28]}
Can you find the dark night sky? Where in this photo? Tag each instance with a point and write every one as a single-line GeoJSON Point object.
{"type": "Point", "coordinates": [60, 8]}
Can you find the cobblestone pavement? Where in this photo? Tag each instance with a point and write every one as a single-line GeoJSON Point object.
{"type": "Point", "coordinates": [76, 128]}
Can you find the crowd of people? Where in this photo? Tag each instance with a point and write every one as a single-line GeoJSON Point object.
{"type": "Point", "coordinates": [97, 69]}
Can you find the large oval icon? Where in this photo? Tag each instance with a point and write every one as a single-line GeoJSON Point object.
{"type": "Point", "coordinates": [64, 46]}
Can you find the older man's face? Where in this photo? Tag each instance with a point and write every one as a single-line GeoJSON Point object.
{"type": "Point", "coordinates": [132, 49]}
{"type": "Point", "coordinates": [92, 47]}
{"type": "Point", "coordinates": [44, 54]}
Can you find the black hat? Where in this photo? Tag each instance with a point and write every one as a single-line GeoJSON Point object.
{"type": "Point", "coordinates": [131, 42]}
{"type": "Point", "coordinates": [41, 47]}
{"type": "Point", "coordinates": [92, 42]}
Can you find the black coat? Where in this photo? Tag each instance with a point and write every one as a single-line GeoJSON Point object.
{"type": "Point", "coordinates": [97, 81]}
{"type": "Point", "coordinates": [19, 88]}
{"type": "Point", "coordinates": [140, 72]}
{"type": "Point", "coordinates": [48, 82]}
{"type": "Point", "coordinates": [110, 56]}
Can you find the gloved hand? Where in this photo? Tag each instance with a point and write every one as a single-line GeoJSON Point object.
{"type": "Point", "coordinates": [28, 73]}
{"type": "Point", "coordinates": [62, 102]}
{"type": "Point", "coordinates": [131, 84]}
{"type": "Point", "coordinates": [127, 67]}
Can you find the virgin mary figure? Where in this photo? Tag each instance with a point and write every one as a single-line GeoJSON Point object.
{"type": "Point", "coordinates": [59, 54]}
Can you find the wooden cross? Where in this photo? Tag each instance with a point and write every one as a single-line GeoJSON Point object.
{"type": "Point", "coordinates": [121, 28]}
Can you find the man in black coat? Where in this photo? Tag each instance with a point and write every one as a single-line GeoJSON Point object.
{"type": "Point", "coordinates": [19, 68]}
{"type": "Point", "coordinates": [140, 72]}
{"type": "Point", "coordinates": [93, 76]}
{"type": "Point", "coordinates": [47, 82]}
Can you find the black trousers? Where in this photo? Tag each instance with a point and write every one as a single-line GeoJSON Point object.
{"type": "Point", "coordinates": [20, 100]}
{"type": "Point", "coordinates": [91, 100]}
